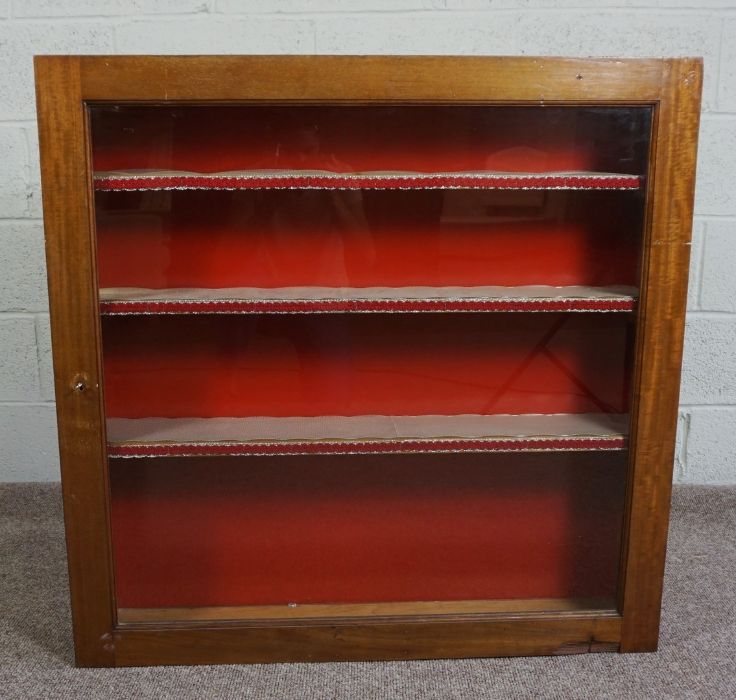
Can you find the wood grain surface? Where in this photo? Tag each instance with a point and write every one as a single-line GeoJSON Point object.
{"type": "Point", "coordinates": [75, 337]}
{"type": "Point", "coordinates": [65, 88]}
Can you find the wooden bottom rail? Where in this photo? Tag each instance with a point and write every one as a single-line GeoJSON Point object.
{"type": "Point", "coordinates": [362, 610]}
{"type": "Point", "coordinates": [544, 634]}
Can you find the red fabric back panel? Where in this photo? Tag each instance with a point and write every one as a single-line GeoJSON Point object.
{"type": "Point", "coordinates": [355, 139]}
{"type": "Point", "coordinates": [354, 364]}
{"type": "Point", "coordinates": [249, 531]}
{"type": "Point", "coordinates": [359, 239]}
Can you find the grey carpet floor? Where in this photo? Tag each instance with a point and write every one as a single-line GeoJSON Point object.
{"type": "Point", "coordinates": [697, 657]}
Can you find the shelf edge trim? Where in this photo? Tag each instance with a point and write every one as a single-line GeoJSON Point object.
{"type": "Point", "coordinates": [347, 447]}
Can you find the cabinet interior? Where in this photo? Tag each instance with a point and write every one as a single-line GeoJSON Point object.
{"type": "Point", "coordinates": [363, 359]}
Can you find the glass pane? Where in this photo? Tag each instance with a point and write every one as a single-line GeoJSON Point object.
{"type": "Point", "coordinates": [241, 531]}
{"type": "Point", "coordinates": [367, 355]}
{"type": "Point", "coordinates": [353, 364]}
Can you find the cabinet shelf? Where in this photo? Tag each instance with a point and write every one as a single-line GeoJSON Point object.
{"type": "Point", "coordinates": [135, 301]}
{"type": "Point", "coordinates": [191, 437]}
{"type": "Point", "coordinates": [323, 179]}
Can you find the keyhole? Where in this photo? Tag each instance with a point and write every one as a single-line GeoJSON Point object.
{"type": "Point", "coordinates": [79, 383]}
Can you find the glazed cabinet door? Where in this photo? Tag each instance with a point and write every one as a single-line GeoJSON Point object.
{"type": "Point", "coordinates": [377, 366]}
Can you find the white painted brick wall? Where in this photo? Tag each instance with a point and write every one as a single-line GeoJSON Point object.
{"type": "Point", "coordinates": [13, 171]}
{"type": "Point", "coordinates": [19, 376]}
{"type": "Point", "coordinates": [23, 279]}
{"type": "Point", "coordinates": [719, 266]}
{"type": "Point", "coordinates": [707, 437]}
{"type": "Point", "coordinates": [28, 439]}
{"type": "Point", "coordinates": [260, 33]}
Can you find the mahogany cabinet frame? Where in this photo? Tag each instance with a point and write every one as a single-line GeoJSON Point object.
{"type": "Point", "coordinates": [68, 85]}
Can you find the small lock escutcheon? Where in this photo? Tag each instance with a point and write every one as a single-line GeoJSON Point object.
{"type": "Point", "coordinates": [80, 384]}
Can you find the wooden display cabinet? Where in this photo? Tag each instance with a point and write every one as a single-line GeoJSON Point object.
{"type": "Point", "coordinates": [365, 357]}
